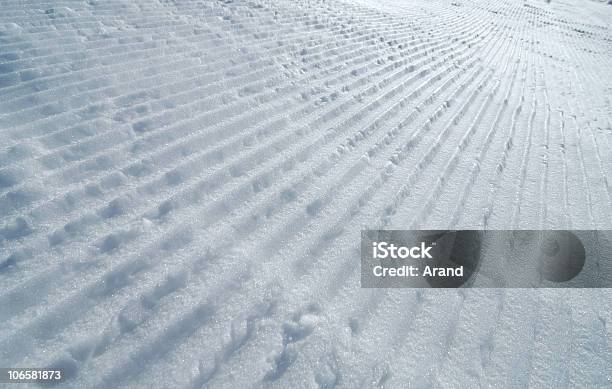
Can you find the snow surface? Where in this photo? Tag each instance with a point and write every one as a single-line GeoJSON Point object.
{"type": "Point", "coordinates": [183, 184]}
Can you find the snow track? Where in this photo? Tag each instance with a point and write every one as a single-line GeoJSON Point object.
{"type": "Point", "coordinates": [183, 184]}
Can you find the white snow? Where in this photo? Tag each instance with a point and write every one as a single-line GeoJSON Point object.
{"type": "Point", "coordinates": [183, 184]}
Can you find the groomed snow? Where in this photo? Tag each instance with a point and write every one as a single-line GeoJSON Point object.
{"type": "Point", "coordinates": [183, 184]}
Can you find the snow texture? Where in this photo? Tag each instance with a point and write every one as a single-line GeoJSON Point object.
{"type": "Point", "coordinates": [183, 184]}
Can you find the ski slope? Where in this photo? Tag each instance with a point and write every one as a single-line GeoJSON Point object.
{"type": "Point", "coordinates": [183, 184]}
